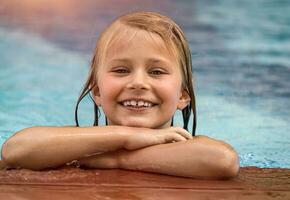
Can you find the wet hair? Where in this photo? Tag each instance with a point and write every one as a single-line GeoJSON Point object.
{"type": "Point", "coordinates": [175, 42]}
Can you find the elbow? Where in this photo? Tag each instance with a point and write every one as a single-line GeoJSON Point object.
{"type": "Point", "coordinates": [230, 165]}
{"type": "Point", "coordinates": [8, 154]}
{"type": "Point", "coordinates": [13, 150]}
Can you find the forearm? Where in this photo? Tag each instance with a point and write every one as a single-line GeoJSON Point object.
{"type": "Point", "coordinates": [43, 147]}
{"type": "Point", "coordinates": [197, 158]}
{"type": "Point", "coordinates": [200, 157]}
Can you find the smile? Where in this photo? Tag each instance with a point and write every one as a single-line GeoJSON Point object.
{"type": "Point", "coordinates": [137, 104]}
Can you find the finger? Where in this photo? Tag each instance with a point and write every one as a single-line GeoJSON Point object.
{"type": "Point", "coordinates": [175, 137]}
{"type": "Point", "coordinates": [183, 132]}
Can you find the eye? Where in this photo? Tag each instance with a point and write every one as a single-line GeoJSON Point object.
{"type": "Point", "coordinates": [120, 70]}
{"type": "Point", "coordinates": [157, 72]}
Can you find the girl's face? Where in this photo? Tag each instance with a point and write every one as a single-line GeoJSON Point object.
{"type": "Point", "coordinates": [139, 83]}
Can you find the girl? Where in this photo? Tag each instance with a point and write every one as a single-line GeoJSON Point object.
{"type": "Point", "coordinates": [140, 75]}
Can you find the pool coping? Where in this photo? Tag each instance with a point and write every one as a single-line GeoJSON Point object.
{"type": "Point", "coordinates": [75, 183]}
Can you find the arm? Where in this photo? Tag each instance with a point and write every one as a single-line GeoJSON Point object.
{"type": "Point", "coordinates": [47, 147]}
{"type": "Point", "coordinates": [44, 147]}
{"type": "Point", "coordinates": [201, 157]}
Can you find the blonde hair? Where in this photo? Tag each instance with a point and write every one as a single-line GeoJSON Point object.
{"type": "Point", "coordinates": [169, 32]}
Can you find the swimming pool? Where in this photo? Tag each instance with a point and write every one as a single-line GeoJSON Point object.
{"type": "Point", "coordinates": [241, 58]}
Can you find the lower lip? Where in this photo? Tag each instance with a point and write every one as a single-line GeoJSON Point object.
{"type": "Point", "coordinates": [137, 109]}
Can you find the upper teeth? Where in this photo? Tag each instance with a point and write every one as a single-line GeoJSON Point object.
{"type": "Point", "coordinates": [136, 103]}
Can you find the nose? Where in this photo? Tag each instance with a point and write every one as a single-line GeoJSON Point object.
{"type": "Point", "coordinates": [139, 80]}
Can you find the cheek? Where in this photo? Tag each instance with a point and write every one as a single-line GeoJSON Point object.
{"type": "Point", "coordinates": [109, 88]}
{"type": "Point", "coordinates": [169, 92]}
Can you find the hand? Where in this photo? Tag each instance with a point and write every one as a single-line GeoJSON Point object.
{"type": "Point", "coordinates": [143, 137]}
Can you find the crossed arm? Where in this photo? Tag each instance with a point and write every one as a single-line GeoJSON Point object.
{"type": "Point", "coordinates": [200, 157]}
{"type": "Point", "coordinates": [169, 151]}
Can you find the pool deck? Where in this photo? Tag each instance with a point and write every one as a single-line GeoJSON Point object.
{"type": "Point", "coordinates": [73, 183]}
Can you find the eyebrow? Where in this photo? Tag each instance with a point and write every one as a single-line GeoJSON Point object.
{"type": "Point", "coordinates": [152, 60]}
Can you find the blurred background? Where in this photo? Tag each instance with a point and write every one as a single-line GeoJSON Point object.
{"type": "Point", "coordinates": [240, 53]}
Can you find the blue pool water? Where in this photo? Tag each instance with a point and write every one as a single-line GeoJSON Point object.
{"type": "Point", "coordinates": [240, 52]}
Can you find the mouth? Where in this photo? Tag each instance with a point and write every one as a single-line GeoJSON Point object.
{"type": "Point", "coordinates": [137, 104]}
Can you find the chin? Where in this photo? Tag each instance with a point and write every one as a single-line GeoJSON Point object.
{"type": "Point", "coordinates": [145, 125]}
{"type": "Point", "coordinates": [138, 124]}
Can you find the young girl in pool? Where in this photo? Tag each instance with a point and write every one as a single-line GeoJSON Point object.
{"type": "Point", "coordinates": [140, 75]}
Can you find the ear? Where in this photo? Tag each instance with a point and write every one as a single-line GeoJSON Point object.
{"type": "Point", "coordinates": [184, 100]}
{"type": "Point", "coordinates": [96, 95]}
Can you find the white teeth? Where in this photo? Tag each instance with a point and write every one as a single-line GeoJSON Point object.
{"type": "Point", "coordinates": [133, 103]}
{"type": "Point", "coordinates": [137, 103]}
{"type": "Point", "coordinates": [140, 103]}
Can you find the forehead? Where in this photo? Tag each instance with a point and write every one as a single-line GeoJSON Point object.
{"type": "Point", "coordinates": [133, 38]}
